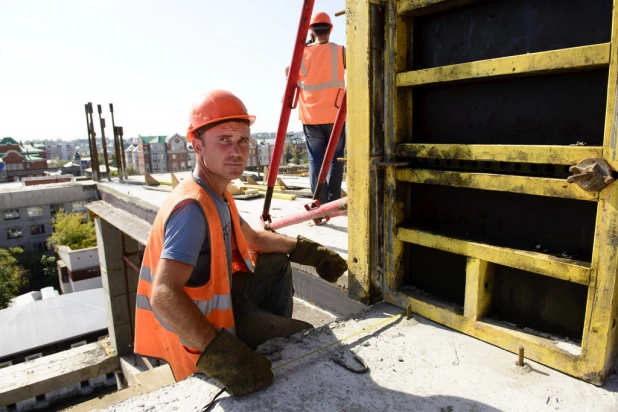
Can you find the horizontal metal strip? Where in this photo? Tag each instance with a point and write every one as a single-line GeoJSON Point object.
{"type": "Point", "coordinates": [538, 349]}
{"type": "Point", "coordinates": [422, 7]}
{"type": "Point", "coordinates": [556, 155]}
{"type": "Point", "coordinates": [538, 186]}
{"type": "Point", "coordinates": [565, 269]}
{"type": "Point", "coordinates": [575, 58]}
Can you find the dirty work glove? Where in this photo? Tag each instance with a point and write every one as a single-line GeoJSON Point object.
{"type": "Point", "coordinates": [231, 363]}
{"type": "Point", "coordinates": [329, 265]}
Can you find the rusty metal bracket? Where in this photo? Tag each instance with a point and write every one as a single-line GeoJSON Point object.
{"type": "Point", "coordinates": [592, 174]}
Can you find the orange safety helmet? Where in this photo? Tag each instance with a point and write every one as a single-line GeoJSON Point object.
{"type": "Point", "coordinates": [216, 106]}
{"type": "Point", "coordinates": [321, 18]}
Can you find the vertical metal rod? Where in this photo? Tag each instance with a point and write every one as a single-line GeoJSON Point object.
{"type": "Point", "coordinates": [126, 286]}
{"type": "Point", "coordinates": [94, 158]}
{"type": "Point", "coordinates": [520, 358]}
{"type": "Point", "coordinates": [89, 140]}
{"type": "Point", "coordinates": [104, 143]}
{"type": "Point", "coordinates": [116, 144]}
{"type": "Point", "coordinates": [124, 156]}
{"type": "Point", "coordinates": [288, 103]}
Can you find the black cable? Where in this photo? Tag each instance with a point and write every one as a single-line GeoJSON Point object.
{"type": "Point", "coordinates": [212, 402]}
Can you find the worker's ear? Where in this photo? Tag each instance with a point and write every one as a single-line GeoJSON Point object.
{"type": "Point", "coordinates": [198, 145]}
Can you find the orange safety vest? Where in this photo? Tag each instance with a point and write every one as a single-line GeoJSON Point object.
{"type": "Point", "coordinates": [319, 80]}
{"type": "Point", "coordinates": [153, 336]}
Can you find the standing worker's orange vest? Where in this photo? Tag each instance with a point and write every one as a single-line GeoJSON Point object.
{"type": "Point", "coordinates": [153, 336]}
{"type": "Point", "coordinates": [319, 80]}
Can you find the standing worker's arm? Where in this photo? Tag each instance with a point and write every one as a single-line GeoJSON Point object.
{"type": "Point", "coordinates": [170, 301]}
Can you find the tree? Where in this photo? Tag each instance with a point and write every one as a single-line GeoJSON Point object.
{"type": "Point", "coordinates": [12, 276]}
{"type": "Point", "coordinates": [132, 171]}
{"type": "Point", "coordinates": [50, 272]}
{"type": "Point", "coordinates": [73, 230]}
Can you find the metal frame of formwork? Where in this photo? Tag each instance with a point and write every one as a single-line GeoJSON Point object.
{"type": "Point", "coordinates": [378, 41]}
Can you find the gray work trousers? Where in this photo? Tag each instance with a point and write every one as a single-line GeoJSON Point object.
{"type": "Point", "coordinates": [270, 286]}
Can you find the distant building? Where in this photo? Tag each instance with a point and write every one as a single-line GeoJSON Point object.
{"type": "Point", "coordinates": [130, 154]}
{"type": "Point", "coordinates": [43, 323]}
{"type": "Point", "coordinates": [59, 150]}
{"type": "Point", "coordinates": [177, 154]}
{"type": "Point", "coordinates": [152, 154]}
{"type": "Point", "coordinates": [21, 160]}
{"type": "Point", "coordinates": [26, 213]}
{"type": "Point", "coordinates": [78, 270]}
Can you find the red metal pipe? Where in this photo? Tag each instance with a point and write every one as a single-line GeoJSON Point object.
{"type": "Point", "coordinates": [330, 149]}
{"type": "Point", "coordinates": [288, 103]}
{"type": "Point", "coordinates": [331, 208]}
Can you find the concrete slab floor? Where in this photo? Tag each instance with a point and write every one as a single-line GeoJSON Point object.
{"type": "Point", "coordinates": [414, 364]}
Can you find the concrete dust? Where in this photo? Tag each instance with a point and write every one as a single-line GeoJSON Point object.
{"type": "Point", "coordinates": [413, 365]}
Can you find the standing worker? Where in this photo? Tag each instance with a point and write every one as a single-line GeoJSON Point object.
{"type": "Point", "coordinates": [321, 75]}
{"type": "Point", "coordinates": [201, 305]}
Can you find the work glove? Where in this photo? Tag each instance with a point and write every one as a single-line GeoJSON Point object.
{"type": "Point", "coordinates": [329, 265]}
{"type": "Point", "coordinates": [231, 363]}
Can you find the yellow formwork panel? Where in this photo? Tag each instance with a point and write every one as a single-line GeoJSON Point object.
{"type": "Point", "coordinates": [599, 340]}
{"type": "Point", "coordinates": [576, 58]}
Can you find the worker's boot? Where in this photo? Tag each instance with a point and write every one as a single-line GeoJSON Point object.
{"type": "Point", "coordinates": [255, 326]}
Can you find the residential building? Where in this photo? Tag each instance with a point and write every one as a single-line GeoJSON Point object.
{"type": "Point", "coordinates": [253, 159]}
{"type": "Point", "coordinates": [60, 150]}
{"type": "Point", "coordinates": [43, 323]}
{"type": "Point", "coordinates": [177, 153]}
{"type": "Point", "coordinates": [26, 212]}
{"type": "Point", "coordinates": [78, 270]}
{"type": "Point", "coordinates": [130, 154]}
{"type": "Point", "coordinates": [22, 160]}
{"type": "Point", "coordinates": [152, 154]}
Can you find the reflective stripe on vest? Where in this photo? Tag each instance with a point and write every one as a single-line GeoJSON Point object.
{"type": "Point", "coordinates": [153, 336]}
{"type": "Point", "coordinates": [321, 75]}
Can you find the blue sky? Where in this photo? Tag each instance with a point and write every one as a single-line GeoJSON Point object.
{"type": "Point", "coordinates": [150, 58]}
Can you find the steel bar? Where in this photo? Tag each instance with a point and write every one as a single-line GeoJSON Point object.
{"type": "Point", "coordinates": [104, 143]}
{"type": "Point", "coordinates": [330, 208]}
{"type": "Point", "coordinates": [124, 157]}
{"type": "Point", "coordinates": [291, 90]}
{"type": "Point", "coordinates": [116, 144]}
{"type": "Point", "coordinates": [94, 157]}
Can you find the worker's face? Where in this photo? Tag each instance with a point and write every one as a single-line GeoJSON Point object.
{"type": "Point", "coordinates": [224, 149]}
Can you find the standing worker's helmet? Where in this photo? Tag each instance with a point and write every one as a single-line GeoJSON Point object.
{"type": "Point", "coordinates": [214, 107]}
{"type": "Point", "coordinates": [321, 21]}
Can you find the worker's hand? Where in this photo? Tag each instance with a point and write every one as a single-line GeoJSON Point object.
{"type": "Point", "coordinates": [231, 363]}
{"type": "Point", "coordinates": [329, 265]}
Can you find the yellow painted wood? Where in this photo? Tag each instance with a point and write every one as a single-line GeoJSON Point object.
{"type": "Point", "coordinates": [398, 125]}
{"type": "Point", "coordinates": [422, 7]}
{"type": "Point", "coordinates": [358, 50]}
{"type": "Point", "coordinates": [565, 269]}
{"type": "Point", "coordinates": [600, 339]}
{"type": "Point", "coordinates": [576, 58]}
{"type": "Point", "coordinates": [610, 134]}
{"type": "Point", "coordinates": [503, 183]}
{"type": "Point", "coordinates": [557, 155]}
{"type": "Point", "coordinates": [479, 288]}
{"type": "Point", "coordinates": [538, 349]}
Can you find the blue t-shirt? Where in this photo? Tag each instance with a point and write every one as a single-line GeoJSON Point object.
{"type": "Point", "coordinates": [183, 229]}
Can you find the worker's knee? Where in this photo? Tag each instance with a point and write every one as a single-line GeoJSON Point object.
{"type": "Point", "coordinates": [274, 263]}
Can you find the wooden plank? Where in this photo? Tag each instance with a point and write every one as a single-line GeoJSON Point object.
{"type": "Point", "coordinates": [565, 269]}
{"type": "Point", "coordinates": [50, 373]}
{"type": "Point", "coordinates": [557, 155]}
{"type": "Point", "coordinates": [536, 348]}
{"type": "Point", "coordinates": [422, 7]}
{"type": "Point", "coordinates": [575, 58]}
{"type": "Point", "coordinates": [503, 183]}
{"type": "Point", "coordinates": [479, 288]}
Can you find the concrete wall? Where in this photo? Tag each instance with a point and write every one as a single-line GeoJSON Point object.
{"type": "Point", "coordinates": [86, 284]}
{"type": "Point", "coordinates": [79, 259]}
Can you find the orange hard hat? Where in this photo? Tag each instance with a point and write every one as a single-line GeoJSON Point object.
{"type": "Point", "coordinates": [320, 18]}
{"type": "Point", "coordinates": [216, 106]}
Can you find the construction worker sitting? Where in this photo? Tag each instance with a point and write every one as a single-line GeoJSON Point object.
{"type": "Point", "coordinates": [201, 302]}
{"type": "Point", "coordinates": [319, 80]}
